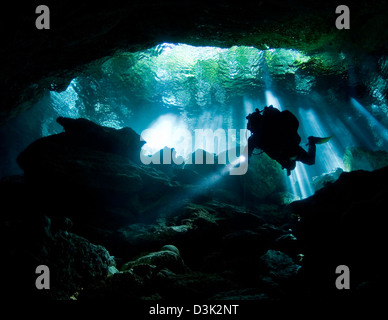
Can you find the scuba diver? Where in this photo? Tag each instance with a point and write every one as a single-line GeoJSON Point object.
{"type": "Point", "coordinates": [276, 134]}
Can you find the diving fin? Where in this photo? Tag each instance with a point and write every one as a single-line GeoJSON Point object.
{"type": "Point", "coordinates": [318, 140]}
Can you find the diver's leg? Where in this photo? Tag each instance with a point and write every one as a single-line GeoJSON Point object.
{"type": "Point", "coordinates": [311, 150]}
{"type": "Point", "coordinates": [307, 157]}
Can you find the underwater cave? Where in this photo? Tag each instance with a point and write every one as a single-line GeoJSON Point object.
{"type": "Point", "coordinates": [110, 85]}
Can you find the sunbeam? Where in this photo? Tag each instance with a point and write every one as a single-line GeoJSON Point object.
{"type": "Point", "coordinates": [272, 100]}
{"type": "Point", "coordinates": [328, 153]}
{"type": "Point", "coordinates": [300, 182]}
{"type": "Point", "coordinates": [167, 131]}
{"type": "Point", "coordinates": [380, 132]}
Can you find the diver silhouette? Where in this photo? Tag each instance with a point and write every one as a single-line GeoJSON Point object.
{"type": "Point", "coordinates": [275, 132]}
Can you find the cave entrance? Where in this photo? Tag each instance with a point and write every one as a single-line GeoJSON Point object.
{"type": "Point", "coordinates": [177, 86]}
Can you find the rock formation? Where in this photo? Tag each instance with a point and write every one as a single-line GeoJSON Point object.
{"type": "Point", "coordinates": [113, 229]}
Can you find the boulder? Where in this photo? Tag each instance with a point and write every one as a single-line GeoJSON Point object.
{"type": "Point", "coordinates": [264, 178]}
{"type": "Point", "coordinates": [121, 286]}
{"type": "Point", "coordinates": [87, 173]}
{"type": "Point", "coordinates": [87, 134]}
{"type": "Point", "coordinates": [73, 261]}
{"type": "Point", "coordinates": [320, 181]}
{"type": "Point", "coordinates": [167, 258]}
{"type": "Point", "coordinates": [279, 265]}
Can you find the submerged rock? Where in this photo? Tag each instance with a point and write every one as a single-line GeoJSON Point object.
{"type": "Point", "coordinates": [121, 286]}
{"type": "Point", "coordinates": [321, 181]}
{"type": "Point", "coordinates": [73, 261]}
{"type": "Point", "coordinates": [264, 177]}
{"type": "Point", "coordinates": [225, 250]}
{"type": "Point", "coordinates": [167, 258]}
{"type": "Point", "coordinates": [279, 265]}
{"type": "Point", "coordinates": [342, 224]}
{"type": "Point", "coordinates": [242, 294]}
{"type": "Point", "coordinates": [87, 134]}
{"type": "Point", "coordinates": [86, 173]}
{"type": "Point", "coordinates": [356, 158]}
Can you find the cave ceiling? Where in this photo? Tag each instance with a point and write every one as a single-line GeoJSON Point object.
{"type": "Point", "coordinates": [85, 35]}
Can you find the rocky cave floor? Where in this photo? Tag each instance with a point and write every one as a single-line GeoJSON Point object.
{"type": "Point", "coordinates": [111, 228]}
